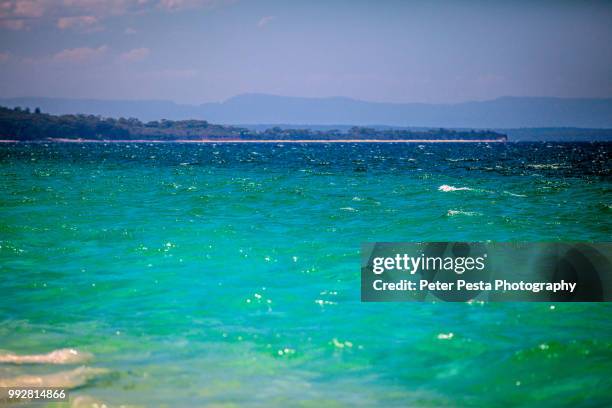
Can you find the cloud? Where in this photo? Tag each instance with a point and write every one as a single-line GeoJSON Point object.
{"type": "Point", "coordinates": [13, 24]}
{"type": "Point", "coordinates": [186, 4]}
{"type": "Point", "coordinates": [172, 4]}
{"type": "Point", "coordinates": [104, 8]}
{"type": "Point", "coordinates": [82, 54]}
{"type": "Point", "coordinates": [82, 22]}
{"type": "Point", "coordinates": [130, 31]}
{"type": "Point", "coordinates": [137, 54]}
{"type": "Point", "coordinates": [4, 56]}
{"type": "Point", "coordinates": [14, 14]}
{"type": "Point", "coordinates": [27, 8]}
{"type": "Point", "coordinates": [22, 14]}
{"type": "Point", "coordinates": [264, 21]}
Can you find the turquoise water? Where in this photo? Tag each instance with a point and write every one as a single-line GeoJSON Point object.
{"type": "Point", "coordinates": [228, 275]}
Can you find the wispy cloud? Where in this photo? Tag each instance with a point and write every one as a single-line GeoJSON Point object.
{"type": "Point", "coordinates": [80, 22]}
{"type": "Point", "coordinates": [26, 8]}
{"type": "Point", "coordinates": [177, 4]}
{"type": "Point", "coordinates": [189, 4]}
{"type": "Point", "coordinates": [137, 54]}
{"type": "Point", "coordinates": [23, 14]}
{"type": "Point", "coordinates": [4, 56]}
{"type": "Point", "coordinates": [80, 55]}
{"type": "Point", "coordinates": [102, 8]}
{"type": "Point", "coordinates": [15, 14]}
{"type": "Point", "coordinates": [102, 55]}
{"type": "Point", "coordinates": [13, 24]}
{"type": "Point", "coordinates": [264, 21]}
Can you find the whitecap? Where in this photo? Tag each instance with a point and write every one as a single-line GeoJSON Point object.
{"type": "Point", "coordinates": [452, 213]}
{"type": "Point", "coordinates": [446, 188]}
{"type": "Point", "coordinates": [547, 166]}
{"type": "Point", "coordinates": [514, 194]}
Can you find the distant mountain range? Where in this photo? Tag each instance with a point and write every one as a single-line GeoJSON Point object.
{"type": "Point", "coordinates": [505, 112]}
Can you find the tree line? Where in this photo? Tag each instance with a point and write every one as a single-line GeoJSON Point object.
{"type": "Point", "coordinates": [24, 124]}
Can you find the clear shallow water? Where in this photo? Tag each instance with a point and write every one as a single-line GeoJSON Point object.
{"type": "Point", "coordinates": [229, 274]}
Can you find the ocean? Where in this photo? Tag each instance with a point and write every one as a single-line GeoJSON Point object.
{"type": "Point", "coordinates": [229, 275]}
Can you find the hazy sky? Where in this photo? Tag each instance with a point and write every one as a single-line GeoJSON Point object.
{"type": "Point", "coordinates": [208, 50]}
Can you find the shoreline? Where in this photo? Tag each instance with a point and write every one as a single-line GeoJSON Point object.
{"type": "Point", "coordinates": [215, 141]}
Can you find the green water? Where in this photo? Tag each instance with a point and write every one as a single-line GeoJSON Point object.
{"type": "Point", "coordinates": [229, 274]}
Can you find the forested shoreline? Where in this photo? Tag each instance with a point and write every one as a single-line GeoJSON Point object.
{"type": "Point", "coordinates": [26, 125]}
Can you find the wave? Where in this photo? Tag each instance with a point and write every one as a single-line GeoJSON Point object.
{"type": "Point", "coordinates": [60, 356]}
{"type": "Point", "coordinates": [447, 188]}
{"type": "Point", "coordinates": [452, 213]}
{"type": "Point", "coordinates": [514, 194]}
{"type": "Point", "coordinates": [547, 166]}
{"type": "Point", "coordinates": [65, 379]}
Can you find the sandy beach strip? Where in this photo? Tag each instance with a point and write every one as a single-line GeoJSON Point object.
{"type": "Point", "coordinates": [298, 141]}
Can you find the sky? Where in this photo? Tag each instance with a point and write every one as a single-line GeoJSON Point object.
{"type": "Point", "coordinates": [195, 51]}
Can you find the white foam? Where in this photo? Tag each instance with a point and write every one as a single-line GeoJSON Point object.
{"type": "Point", "coordinates": [64, 379]}
{"type": "Point", "coordinates": [547, 166]}
{"type": "Point", "coordinates": [452, 213]}
{"type": "Point", "coordinates": [446, 336]}
{"type": "Point", "coordinates": [61, 356]}
{"type": "Point", "coordinates": [446, 188]}
{"type": "Point", "coordinates": [514, 194]}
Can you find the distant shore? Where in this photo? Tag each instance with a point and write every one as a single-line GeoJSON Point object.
{"type": "Point", "coordinates": [214, 141]}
